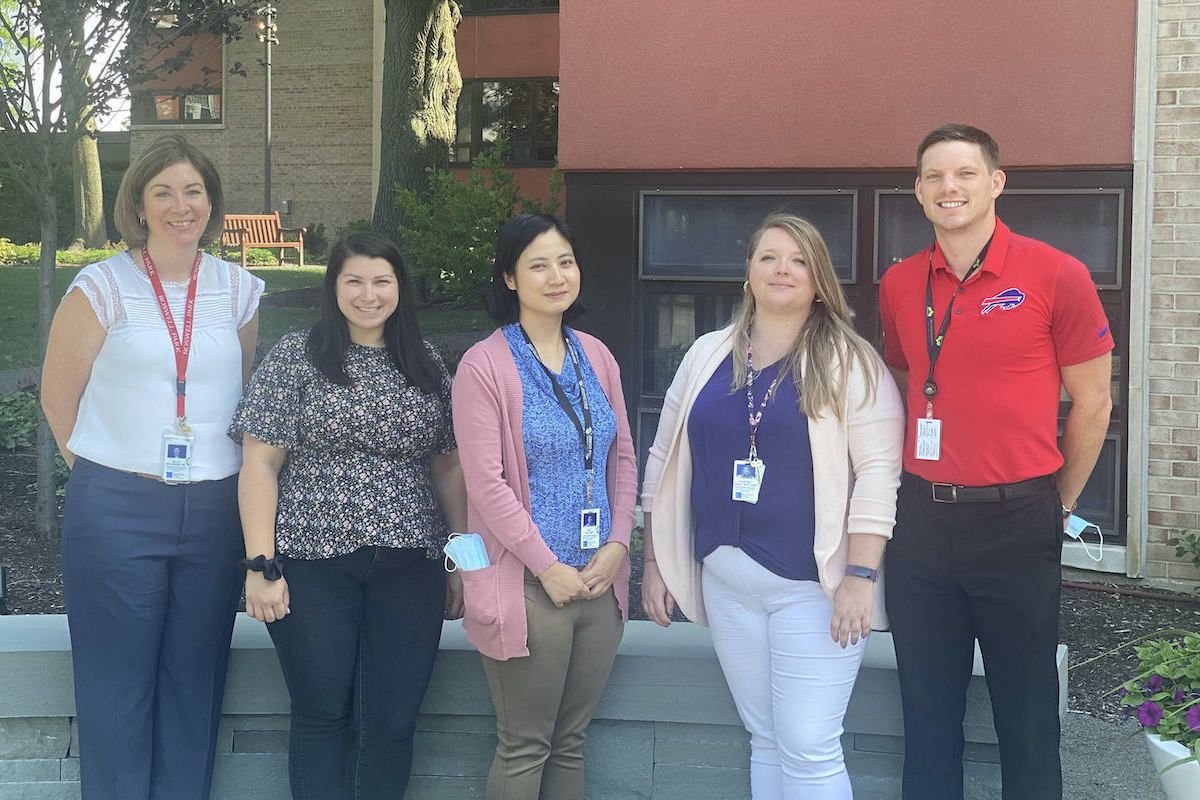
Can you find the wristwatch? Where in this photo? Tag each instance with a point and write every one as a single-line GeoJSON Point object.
{"type": "Point", "coordinates": [856, 571]}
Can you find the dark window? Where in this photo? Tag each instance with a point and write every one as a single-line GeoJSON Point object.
{"type": "Point", "coordinates": [703, 236]}
{"type": "Point", "coordinates": [161, 108]}
{"type": "Point", "coordinates": [690, 240]}
{"type": "Point", "coordinates": [523, 113]}
{"type": "Point", "coordinates": [508, 6]}
{"type": "Point", "coordinates": [1083, 222]}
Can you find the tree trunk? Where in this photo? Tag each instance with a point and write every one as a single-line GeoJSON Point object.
{"type": "Point", "coordinates": [89, 193]}
{"type": "Point", "coordinates": [421, 84]}
{"type": "Point", "coordinates": [47, 500]}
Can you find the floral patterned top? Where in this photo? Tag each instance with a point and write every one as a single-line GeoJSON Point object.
{"type": "Point", "coordinates": [358, 466]}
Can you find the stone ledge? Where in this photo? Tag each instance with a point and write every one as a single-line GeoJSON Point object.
{"type": "Point", "coordinates": [666, 726]}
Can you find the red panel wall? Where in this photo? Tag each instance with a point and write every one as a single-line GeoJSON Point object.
{"type": "Point", "coordinates": [508, 46]}
{"type": "Point", "coordinates": [202, 69]}
{"type": "Point", "coordinates": [781, 84]}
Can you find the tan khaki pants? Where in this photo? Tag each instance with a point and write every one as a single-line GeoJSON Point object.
{"type": "Point", "coordinates": [544, 702]}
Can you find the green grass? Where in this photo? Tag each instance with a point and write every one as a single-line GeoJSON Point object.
{"type": "Point", "coordinates": [18, 310]}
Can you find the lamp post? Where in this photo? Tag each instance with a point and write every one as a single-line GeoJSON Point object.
{"type": "Point", "coordinates": [267, 35]}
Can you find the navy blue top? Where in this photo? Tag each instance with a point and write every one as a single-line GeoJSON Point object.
{"type": "Point", "coordinates": [554, 451]}
{"type": "Point", "coordinates": [778, 531]}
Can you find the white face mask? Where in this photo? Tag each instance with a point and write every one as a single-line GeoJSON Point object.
{"type": "Point", "coordinates": [1076, 527]}
{"type": "Point", "coordinates": [465, 551]}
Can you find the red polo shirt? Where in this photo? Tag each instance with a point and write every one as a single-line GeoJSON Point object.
{"type": "Point", "coordinates": [1028, 310]}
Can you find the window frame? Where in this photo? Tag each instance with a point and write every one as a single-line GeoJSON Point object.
{"type": "Point", "coordinates": [851, 192]}
{"type": "Point", "coordinates": [1120, 192]}
{"type": "Point", "coordinates": [468, 9]}
{"type": "Point", "coordinates": [475, 145]}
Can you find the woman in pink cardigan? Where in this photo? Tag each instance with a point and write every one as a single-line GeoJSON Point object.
{"type": "Point", "coordinates": [551, 479]}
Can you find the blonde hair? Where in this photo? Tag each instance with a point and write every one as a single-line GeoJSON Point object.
{"type": "Point", "coordinates": [827, 345]}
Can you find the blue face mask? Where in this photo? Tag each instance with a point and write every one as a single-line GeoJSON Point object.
{"type": "Point", "coordinates": [465, 551]}
{"type": "Point", "coordinates": [1076, 527]}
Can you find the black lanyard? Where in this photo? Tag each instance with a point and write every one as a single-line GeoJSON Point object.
{"type": "Point", "coordinates": [584, 426]}
{"type": "Point", "coordinates": [934, 343]}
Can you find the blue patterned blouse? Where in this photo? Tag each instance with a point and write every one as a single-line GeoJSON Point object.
{"type": "Point", "coordinates": [554, 451]}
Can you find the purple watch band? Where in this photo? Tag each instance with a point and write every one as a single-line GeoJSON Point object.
{"type": "Point", "coordinates": [856, 571]}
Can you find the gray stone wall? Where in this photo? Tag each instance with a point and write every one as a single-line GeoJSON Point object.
{"type": "Point", "coordinates": [666, 728]}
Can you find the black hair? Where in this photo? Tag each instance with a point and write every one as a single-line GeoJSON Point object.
{"type": "Point", "coordinates": [516, 235]}
{"type": "Point", "coordinates": [329, 339]}
{"type": "Point", "coordinates": [962, 133]}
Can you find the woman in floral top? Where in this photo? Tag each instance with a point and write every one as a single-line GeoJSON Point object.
{"type": "Point", "coordinates": [350, 474]}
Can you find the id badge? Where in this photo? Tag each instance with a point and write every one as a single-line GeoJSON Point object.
{"type": "Point", "coordinates": [589, 529]}
{"type": "Point", "coordinates": [747, 479]}
{"type": "Point", "coordinates": [177, 456]}
{"type": "Point", "coordinates": [929, 439]}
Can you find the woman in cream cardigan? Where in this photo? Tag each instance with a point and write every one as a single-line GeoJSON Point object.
{"type": "Point", "coordinates": [770, 494]}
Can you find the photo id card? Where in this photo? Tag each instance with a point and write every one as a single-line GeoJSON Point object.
{"type": "Point", "coordinates": [177, 456]}
{"type": "Point", "coordinates": [747, 479]}
{"type": "Point", "coordinates": [589, 529]}
{"type": "Point", "coordinates": [929, 439]}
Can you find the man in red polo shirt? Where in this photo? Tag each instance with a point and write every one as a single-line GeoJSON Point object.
{"type": "Point", "coordinates": [982, 330]}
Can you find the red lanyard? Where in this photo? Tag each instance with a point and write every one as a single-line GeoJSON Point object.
{"type": "Point", "coordinates": [182, 346]}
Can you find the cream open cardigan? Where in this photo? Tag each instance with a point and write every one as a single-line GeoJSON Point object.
{"type": "Point", "coordinates": [856, 472]}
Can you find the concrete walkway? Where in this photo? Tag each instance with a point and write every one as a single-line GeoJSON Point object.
{"type": "Point", "coordinates": [1106, 761]}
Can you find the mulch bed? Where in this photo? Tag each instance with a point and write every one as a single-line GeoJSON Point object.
{"type": "Point", "coordinates": [1094, 622]}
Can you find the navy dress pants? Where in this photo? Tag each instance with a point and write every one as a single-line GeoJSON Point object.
{"type": "Point", "coordinates": [358, 647]}
{"type": "Point", "coordinates": [151, 582]}
{"type": "Point", "coordinates": [957, 572]}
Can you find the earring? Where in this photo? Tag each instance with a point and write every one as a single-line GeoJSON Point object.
{"type": "Point", "coordinates": [818, 300]}
{"type": "Point", "coordinates": [745, 286]}
{"type": "Point", "coordinates": [142, 221]}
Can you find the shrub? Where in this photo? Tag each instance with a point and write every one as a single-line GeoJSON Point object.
{"type": "Point", "coordinates": [316, 240]}
{"type": "Point", "coordinates": [11, 253]}
{"type": "Point", "coordinates": [18, 420]}
{"type": "Point", "coordinates": [354, 226]}
{"type": "Point", "coordinates": [32, 253]}
{"type": "Point", "coordinates": [1165, 693]}
{"type": "Point", "coordinates": [451, 234]}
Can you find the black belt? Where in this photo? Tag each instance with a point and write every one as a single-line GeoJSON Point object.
{"type": "Point", "coordinates": [953, 493]}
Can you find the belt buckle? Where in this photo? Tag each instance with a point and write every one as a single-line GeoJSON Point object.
{"type": "Point", "coordinates": [952, 489]}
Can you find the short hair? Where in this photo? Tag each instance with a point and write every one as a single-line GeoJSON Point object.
{"type": "Point", "coordinates": [516, 235]}
{"type": "Point", "coordinates": [163, 152]}
{"type": "Point", "coordinates": [962, 133]}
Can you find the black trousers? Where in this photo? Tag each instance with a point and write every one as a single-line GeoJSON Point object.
{"type": "Point", "coordinates": [957, 572]}
{"type": "Point", "coordinates": [358, 646]}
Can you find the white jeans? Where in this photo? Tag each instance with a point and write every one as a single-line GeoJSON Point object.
{"type": "Point", "coordinates": [790, 681]}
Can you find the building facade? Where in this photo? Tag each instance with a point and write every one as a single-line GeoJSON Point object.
{"type": "Point", "coordinates": [679, 127]}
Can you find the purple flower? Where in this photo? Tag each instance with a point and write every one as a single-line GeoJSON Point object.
{"type": "Point", "coordinates": [1149, 714]}
{"type": "Point", "coordinates": [1154, 682]}
{"type": "Point", "coordinates": [1179, 697]}
{"type": "Point", "coordinates": [1193, 718]}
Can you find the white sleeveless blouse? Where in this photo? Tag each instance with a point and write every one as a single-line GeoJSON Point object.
{"type": "Point", "coordinates": [129, 399]}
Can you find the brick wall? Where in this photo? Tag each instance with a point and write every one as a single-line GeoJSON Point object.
{"type": "Point", "coordinates": [323, 116]}
{"type": "Point", "coordinates": [1174, 348]}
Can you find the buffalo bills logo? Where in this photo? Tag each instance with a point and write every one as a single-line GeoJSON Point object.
{"type": "Point", "coordinates": [1005, 301]}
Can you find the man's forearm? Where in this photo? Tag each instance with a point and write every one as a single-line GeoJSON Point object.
{"type": "Point", "coordinates": [1083, 436]}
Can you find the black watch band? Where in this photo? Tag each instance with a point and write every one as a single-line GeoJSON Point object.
{"type": "Point", "coordinates": [271, 568]}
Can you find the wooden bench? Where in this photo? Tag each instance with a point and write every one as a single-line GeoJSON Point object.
{"type": "Point", "coordinates": [244, 231]}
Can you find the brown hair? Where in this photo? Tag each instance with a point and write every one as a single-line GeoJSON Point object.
{"type": "Point", "coordinates": [962, 133]}
{"type": "Point", "coordinates": [164, 152]}
{"type": "Point", "coordinates": [827, 346]}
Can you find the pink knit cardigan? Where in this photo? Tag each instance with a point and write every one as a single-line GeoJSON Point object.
{"type": "Point", "coordinates": [488, 402]}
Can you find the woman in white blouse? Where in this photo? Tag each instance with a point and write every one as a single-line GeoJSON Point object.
{"type": "Point", "coordinates": [147, 357]}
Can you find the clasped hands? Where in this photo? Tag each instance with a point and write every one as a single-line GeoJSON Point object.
{"type": "Point", "coordinates": [565, 583]}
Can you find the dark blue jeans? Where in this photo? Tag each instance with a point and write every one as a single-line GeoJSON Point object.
{"type": "Point", "coordinates": [358, 645]}
{"type": "Point", "coordinates": [151, 582]}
